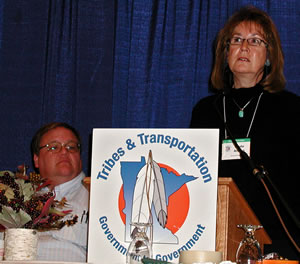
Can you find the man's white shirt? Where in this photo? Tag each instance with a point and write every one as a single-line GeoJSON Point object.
{"type": "Point", "coordinates": [70, 242]}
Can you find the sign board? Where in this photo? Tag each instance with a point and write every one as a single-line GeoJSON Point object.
{"type": "Point", "coordinates": [183, 164]}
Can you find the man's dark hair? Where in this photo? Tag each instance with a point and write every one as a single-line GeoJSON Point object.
{"type": "Point", "coordinates": [35, 143]}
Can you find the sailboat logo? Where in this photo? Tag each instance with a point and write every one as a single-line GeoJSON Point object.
{"type": "Point", "coordinates": [154, 193]}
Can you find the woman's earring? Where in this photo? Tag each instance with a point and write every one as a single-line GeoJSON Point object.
{"type": "Point", "coordinates": [267, 63]}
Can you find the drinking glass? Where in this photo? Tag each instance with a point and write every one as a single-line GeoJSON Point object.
{"type": "Point", "coordinates": [249, 250]}
{"type": "Point", "coordinates": [141, 245]}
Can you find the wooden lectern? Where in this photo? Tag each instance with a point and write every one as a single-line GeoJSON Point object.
{"type": "Point", "coordinates": [233, 209]}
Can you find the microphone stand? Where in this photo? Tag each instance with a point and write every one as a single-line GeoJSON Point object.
{"type": "Point", "coordinates": [260, 173]}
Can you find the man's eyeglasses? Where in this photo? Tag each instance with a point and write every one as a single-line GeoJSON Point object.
{"type": "Point", "coordinates": [251, 41]}
{"type": "Point", "coordinates": [56, 146]}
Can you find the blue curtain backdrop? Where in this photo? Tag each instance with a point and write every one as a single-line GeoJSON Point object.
{"type": "Point", "coordinates": [56, 64]}
{"type": "Point", "coordinates": [99, 63]}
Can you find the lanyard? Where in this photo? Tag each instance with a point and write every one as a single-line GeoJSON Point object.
{"type": "Point", "coordinates": [250, 126]}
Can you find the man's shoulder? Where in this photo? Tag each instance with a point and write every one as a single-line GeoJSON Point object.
{"type": "Point", "coordinates": [87, 182]}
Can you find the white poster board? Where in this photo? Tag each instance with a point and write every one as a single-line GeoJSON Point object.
{"type": "Point", "coordinates": [188, 163]}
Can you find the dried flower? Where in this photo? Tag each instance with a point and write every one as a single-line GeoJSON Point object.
{"type": "Point", "coordinates": [24, 204]}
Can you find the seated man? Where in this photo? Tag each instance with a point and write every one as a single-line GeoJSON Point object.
{"type": "Point", "coordinates": [56, 154]}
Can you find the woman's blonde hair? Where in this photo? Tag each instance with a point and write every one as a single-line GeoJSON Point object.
{"type": "Point", "coordinates": [273, 80]}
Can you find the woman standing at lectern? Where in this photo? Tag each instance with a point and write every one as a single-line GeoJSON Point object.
{"type": "Point", "coordinates": [260, 114]}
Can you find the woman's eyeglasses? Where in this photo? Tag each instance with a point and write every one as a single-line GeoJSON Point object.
{"type": "Point", "coordinates": [251, 41]}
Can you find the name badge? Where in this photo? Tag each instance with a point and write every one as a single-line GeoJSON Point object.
{"type": "Point", "coordinates": [229, 152]}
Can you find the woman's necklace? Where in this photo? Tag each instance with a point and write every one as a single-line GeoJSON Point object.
{"type": "Point", "coordinates": [253, 116]}
{"type": "Point", "coordinates": [241, 112]}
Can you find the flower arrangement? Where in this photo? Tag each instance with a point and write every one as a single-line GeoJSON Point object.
{"type": "Point", "coordinates": [24, 204]}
